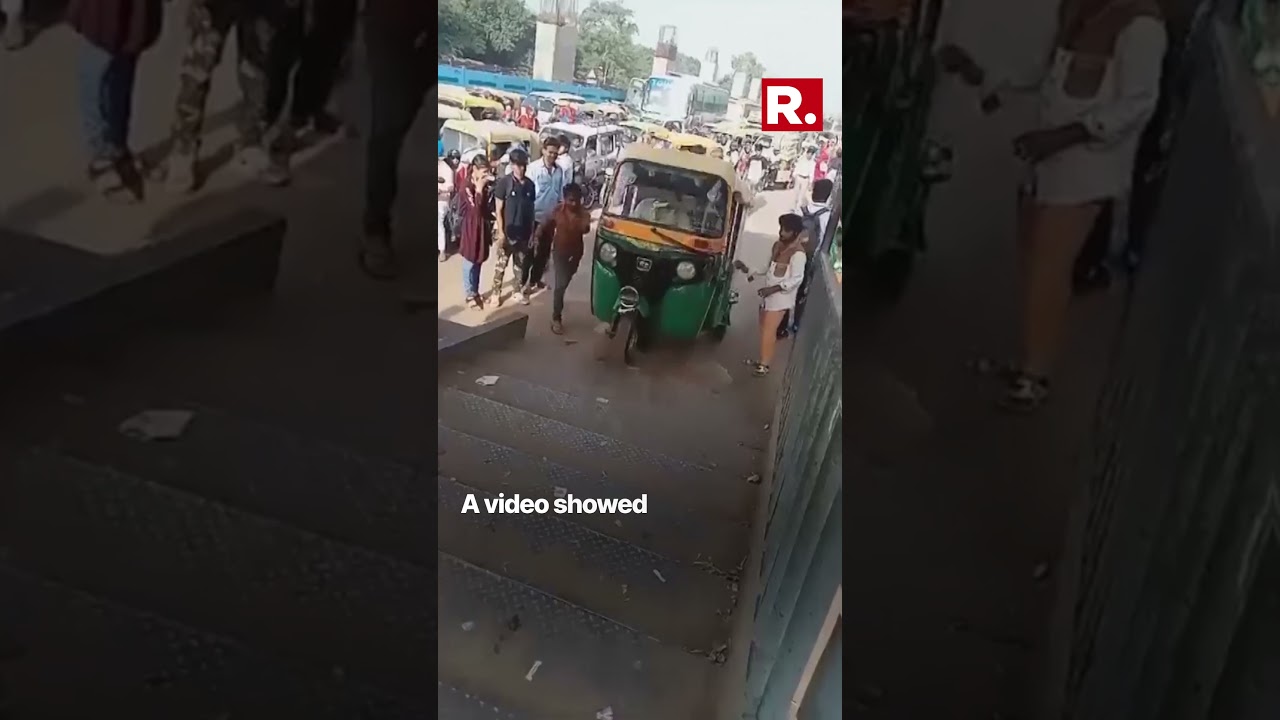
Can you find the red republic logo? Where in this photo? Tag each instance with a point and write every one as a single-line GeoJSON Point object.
{"type": "Point", "coordinates": [791, 104]}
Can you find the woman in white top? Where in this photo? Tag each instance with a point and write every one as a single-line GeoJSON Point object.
{"type": "Point", "coordinates": [1097, 90]}
{"type": "Point", "coordinates": [782, 272]}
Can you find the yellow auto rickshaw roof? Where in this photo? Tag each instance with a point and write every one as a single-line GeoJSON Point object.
{"type": "Point", "coordinates": [454, 95]}
{"type": "Point", "coordinates": [685, 161]}
{"type": "Point", "coordinates": [452, 91]}
{"type": "Point", "coordinates": [449, 112]}
{"type": "Point", "coordinates": [494, 131]}
{"type": "Point", "coordinates": [685, 140]}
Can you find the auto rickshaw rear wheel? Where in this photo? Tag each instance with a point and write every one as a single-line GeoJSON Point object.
{"type": "Point", "coordinates": [718, 332]}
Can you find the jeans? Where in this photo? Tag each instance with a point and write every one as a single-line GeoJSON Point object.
{"type": "Point", "coordinates": [470, 278]}
{"type": "Point", "coordinates": [106, 100]}
{"type": "Point", "coordinates": [398, 86]}
{"type": "Point", "coordinates": [564, 268]}
{"type": "Point", "coordinates": [538, 259]}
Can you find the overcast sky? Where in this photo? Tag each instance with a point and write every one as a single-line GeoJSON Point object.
{"type": "Point", "coordinates": [793, 38]}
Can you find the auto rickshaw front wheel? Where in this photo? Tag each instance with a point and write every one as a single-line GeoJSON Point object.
{"type": "Point", "coordinates": [624, 342]}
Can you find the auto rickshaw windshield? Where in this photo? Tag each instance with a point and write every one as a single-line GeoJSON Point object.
{"type": "Point", "coordinates": [669, 197]}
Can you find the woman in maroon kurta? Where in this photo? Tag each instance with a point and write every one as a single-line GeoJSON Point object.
{"type": "Point", "coordinates": [115, 33]}
{"type": "Point", "coordinates": [476, 223]}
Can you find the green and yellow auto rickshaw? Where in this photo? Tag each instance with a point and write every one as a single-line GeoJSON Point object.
{"type": "Point", "coordinates": [663, 259]}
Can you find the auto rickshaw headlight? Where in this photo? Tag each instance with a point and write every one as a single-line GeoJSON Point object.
{"type": "Point", "coordinates": [685, 270]}
{"type": "Point", "coordinates": [608, 254]}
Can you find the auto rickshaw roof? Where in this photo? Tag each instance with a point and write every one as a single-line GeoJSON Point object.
{"type": "Point", "coordinates": [558, 96]}
{"type": "Point", "coordinates": [684, 140]}
{"type": "Point", "coordinates": [685, 161]}
{"type": "Point", "coordinates": [585, 130]}
{"type": "Point", "coordinates": [492, 130]}
{"type": "Point", "coordinates": [450, 112]}
{"type": "Point", "coordinates": [454, 95]}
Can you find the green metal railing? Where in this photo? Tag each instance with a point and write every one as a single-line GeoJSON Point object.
{"type": "Point", "coordinates": [1175, 581]}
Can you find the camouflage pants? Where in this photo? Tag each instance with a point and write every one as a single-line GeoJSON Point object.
{"type": "Point", "coordinates": [209, 23]}
{"type": "Point", "coordinates": [504, 253]}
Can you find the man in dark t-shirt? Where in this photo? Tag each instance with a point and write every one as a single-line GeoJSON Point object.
{"type": "Point", "coordinates": [513, 225]}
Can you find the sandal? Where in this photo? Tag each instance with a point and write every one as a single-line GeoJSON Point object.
{"type": "Point", "coordinates": [1006, 371]}
{"type": "Point", "coordinates": [1026, 393]}
{"type": "Point", "coordinates": [761, 370]}
{"type": "Point", "coordinates": [478, 301]}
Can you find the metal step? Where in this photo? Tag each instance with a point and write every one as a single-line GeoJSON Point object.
{"type": "Point", "coordinates": [295, 595]}
{"type": "Point", "coordinates": [711, 492]}
{"type": "Point", "coordinates": [676, 603]}
{"type": "Point", "coordinates": [672, 529]}
{"type": "Point", "coordinates": [494, 630]}
{"type": "Point", "coordinates": [455, 704]}
{"type": "Point", "coordinates": [332, 491]}
{"type": "Point", "coordinates": [75, 656]}
{"type": "Point", "coordinates": [661, 423]}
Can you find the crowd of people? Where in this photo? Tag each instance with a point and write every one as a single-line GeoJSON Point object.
{"type": "Point", "coordinates": [529, 217]}
{"type": "Point", "coordinates": [290, 56]}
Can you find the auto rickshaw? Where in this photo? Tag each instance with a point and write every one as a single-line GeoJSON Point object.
{"type": "Point", "coordinates": [445, 113]}
{"type": "Point", "coordinates": [691, 143]}
{"type": "Point", "coordinates": [662, 265]}
{"type": "Point", "coordinates": [495, 138]}
{"type": "Point", "coordinates": [478, 108]}
{"type": "Point", "coordinates": [890, 163]}
{"type": "Point", "coordinates": [642, 131]}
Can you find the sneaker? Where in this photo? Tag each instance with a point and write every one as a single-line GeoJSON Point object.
{"type": "Point", "coordinates": [557, 327]}
{"type": "Point", "coordinates": [15, 34]}
{"type": "Point", "coordinates": [252, 160]}
{"type": "Point", "coordinates": [442, 257]}
{"type": "Point", "coordinates": [522, 298]}
{"type": "Point", "coordinates": [276, 171]}
{"type": "Point", "coordinates": [178, 173]}
{"type": "Point", "coordinates": [1026, 393]}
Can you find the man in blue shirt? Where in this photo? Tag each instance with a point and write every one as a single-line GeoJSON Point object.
{"type": "Point", "coordinates": [548, 181]}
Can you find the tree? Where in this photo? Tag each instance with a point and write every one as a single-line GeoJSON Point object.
{"type": "Point", "coordinates": [748, 63]}
{"type": "Point", "coordinates": [495, 32]}
{"type": "Point", "coordinates": [606, 44]}
{"type": "Point", "coordinates": [687, 64]}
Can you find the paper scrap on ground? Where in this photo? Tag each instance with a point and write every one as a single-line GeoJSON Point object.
{"type": "Point", "coordinates": [487, 380]}
{"type": "Point", "coordinates": [536, 664]}
{"type": "Point", "coordinates": [152, 425]}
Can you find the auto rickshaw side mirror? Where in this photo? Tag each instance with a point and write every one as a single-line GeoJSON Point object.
{"type": "Point", "coordinates": [935, 165]}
